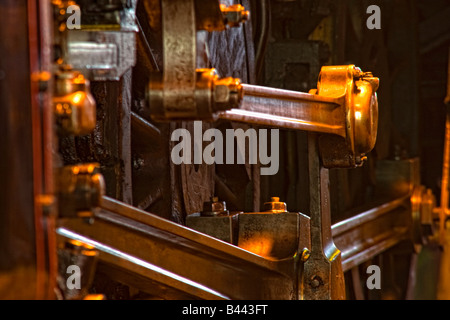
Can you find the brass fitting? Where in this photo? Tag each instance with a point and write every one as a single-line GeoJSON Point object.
{"type": "Point", "coordinates": [235, 14]}
{"type": "Point", "coordinates": [357, 90]}
{"type": "Point", "coordinates": [81, 188]}
{"type": "Point", "coordinates": [305, 254]}
{"type": "Point", "coordinates": [275, 206]}
{"type": "Point", "coordinates": [74, 106]}
{"type": "Point", "coordinates": [214, 207]}
{"type": "Point", "coordinates": [210, 96]}
{"type": "Point", "coordinates": [228, 93]}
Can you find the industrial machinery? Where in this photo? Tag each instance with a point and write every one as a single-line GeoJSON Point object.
{"type": "Point", "coordinates": [135, 152]}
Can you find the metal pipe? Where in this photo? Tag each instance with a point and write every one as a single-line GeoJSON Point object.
{"type": "Point", "coordinates": [367, 216]}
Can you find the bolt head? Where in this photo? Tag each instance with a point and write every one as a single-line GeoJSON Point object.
{"type": "Point", "coordinates": [214, 207]}
{"type": "Point", "coordinates": [305, 254]}
{"type": "Point", "coordinates": [315, 282]}
{"type": "Point", "coordinates": [275, 206]}
{"type": "Point", "coordinates": [228, 93]}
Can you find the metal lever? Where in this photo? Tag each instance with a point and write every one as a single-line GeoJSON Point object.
{"type": "Point", "coordinates": [344, 105]}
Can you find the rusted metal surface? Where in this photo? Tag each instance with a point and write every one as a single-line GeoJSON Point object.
{"type": "Point", "coordinates": [256, 233]}
{"type": "Point", "coordinates": [222, 227]}
{"type": "Point", "coordinates": [179, 43]}
{"type": "Point", "coordinates": [323, 277]}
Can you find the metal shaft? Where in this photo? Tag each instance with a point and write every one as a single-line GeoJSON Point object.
{"type": "Point", "coordinates": [289, 109]}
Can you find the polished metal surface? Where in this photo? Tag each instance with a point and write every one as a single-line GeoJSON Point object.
{"type": "Point", "coordinates": [344, 104]}
{"type": "Point", "coordinates": [102, 55]}
{"type": "Point", "coordinates": [289, 109]}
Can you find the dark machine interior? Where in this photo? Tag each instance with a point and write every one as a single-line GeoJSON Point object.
{"type": "Point", "coordinates": [87, 117]}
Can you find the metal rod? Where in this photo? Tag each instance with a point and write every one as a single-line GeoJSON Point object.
{"type": "Point", "coordinates": [144, 269]}
{"type": "Point", "coordinates": [217, 265]}
{"type": "Point", "coordinates": [145, 126]}
{"type": "Point", "coordinates": [371, 232]}
{"type": "Point", "coordinates": [289, 109]}
{"type": "Point", "coordinates": [367, 216]}
{"type": "Point", "coordinates": [445, 177]}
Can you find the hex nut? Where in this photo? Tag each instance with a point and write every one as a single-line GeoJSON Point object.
{"type": "Point", "coordinates": [228, 93]}
{"type": "Point", "coordinates": [275, 206]}
{"type": "Point", "coordinates": [214, 207]}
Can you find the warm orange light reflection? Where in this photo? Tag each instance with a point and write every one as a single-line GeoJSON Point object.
{"type": "Point", "coordinates": [259, 245]}
{"type": "Point", "coordinates": [95, 297]}
{"type": "Point", "coordinates": [77, 97]}
{"type": "Point", "coordinates": [79, 79]}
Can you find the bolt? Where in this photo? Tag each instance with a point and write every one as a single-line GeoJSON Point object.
{"type": "Point", "coordinates": [74, 105]}
{"type": "Point", "coordinates": [275, 206]}
{"type": "Point", "coordinates": [316, 281]}
{"type": "Point", "coordinates": [228, 93]}
{"type": "Point", "coordinates": [359, 160]}
{"type": "Point", "coordinates": [138, 162]}
{"type": "Point", "coordinates": [81, 188]}
{"type": "Point", "coordinates": [305, 254]}
{"type": "Point", "coordinates": [357, 72]}
{"type": "Point", "coordinates": [214, 207]}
